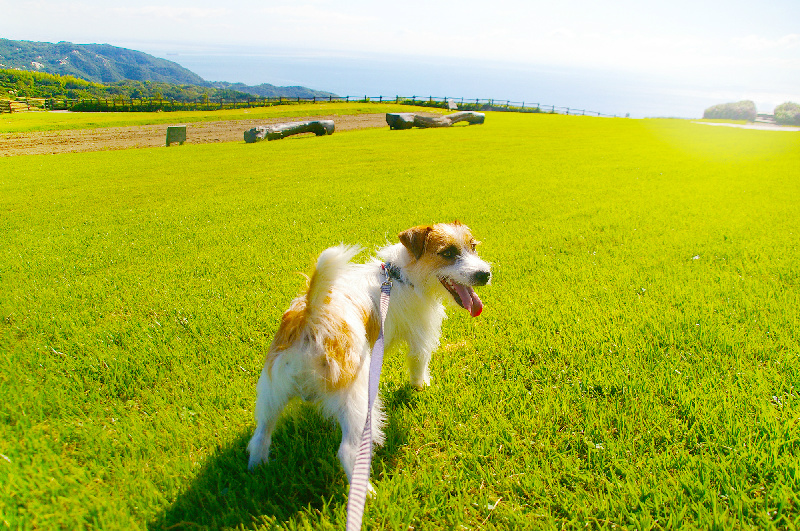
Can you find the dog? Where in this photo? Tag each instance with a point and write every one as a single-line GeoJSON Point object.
{"type": "Point", "coordinates": [322, 348]}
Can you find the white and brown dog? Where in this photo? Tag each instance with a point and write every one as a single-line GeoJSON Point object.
{"type": "Point", "coordinates": [322, 349]}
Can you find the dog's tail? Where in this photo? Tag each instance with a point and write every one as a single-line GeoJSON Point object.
{"type": "Point", "coordinates": [330, 265]}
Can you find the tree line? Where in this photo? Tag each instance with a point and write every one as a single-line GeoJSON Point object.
{"type": "Point", "coordinates": [23, 84]}
{"type": "Point", "coordinates": [787, 113]}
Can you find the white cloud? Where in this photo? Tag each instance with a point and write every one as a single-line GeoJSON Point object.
{"type": "Point", "coordinates": [756, 43]}
{"type": "Point", "coordinates": [312, 17]}
{"type": "Point", "coordinates": [561, 34]}
{"type": "Point", "coordinates": [172, 13]}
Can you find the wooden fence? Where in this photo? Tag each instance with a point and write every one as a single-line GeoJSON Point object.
{"type": "Point", "coordinates": [498, 105]}
{"type": "Point", "coordinates": [207, 104]}
{"type": "Point", "coordinates": [13, 106]}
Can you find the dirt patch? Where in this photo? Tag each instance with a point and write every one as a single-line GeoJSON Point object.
{"type": "Point", "coordinates": [110, 138]}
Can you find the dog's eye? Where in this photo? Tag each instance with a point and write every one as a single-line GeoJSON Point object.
{"type": "Point", "coordinates": [449, 253]}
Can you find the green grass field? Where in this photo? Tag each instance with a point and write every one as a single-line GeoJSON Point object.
{"type": "Point", "coordinates": [635, 367]}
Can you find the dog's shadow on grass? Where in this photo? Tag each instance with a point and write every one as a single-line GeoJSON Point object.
{"type": "Point", "coordinates": [303, 475]}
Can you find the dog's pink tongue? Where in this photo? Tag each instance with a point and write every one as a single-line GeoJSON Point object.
{"type": "Point", "coordinates": [469, 299]}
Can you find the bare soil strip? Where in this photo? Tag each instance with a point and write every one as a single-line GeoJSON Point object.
{"type": "Point", "coordinates": [759, 126]}
{"type": "Point", "coordinates": [110, 138]}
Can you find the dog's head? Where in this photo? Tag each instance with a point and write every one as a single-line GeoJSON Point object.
{"type": "Point", "coordinates": [443, 257]}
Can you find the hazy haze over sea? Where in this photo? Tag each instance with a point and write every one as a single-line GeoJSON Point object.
{"type": "Point", "coordinates": [607, 92]}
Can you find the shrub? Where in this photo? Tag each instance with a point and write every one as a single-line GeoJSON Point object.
{"type": "Point", "coordinates": [743, 110]}
{"type": "Point", "coordinates": [788, 113]}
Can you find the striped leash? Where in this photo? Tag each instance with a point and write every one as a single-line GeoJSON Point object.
{"type": "Point", "coordinates": [359, 482]}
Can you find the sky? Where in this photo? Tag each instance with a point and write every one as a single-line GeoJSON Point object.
{"type": "Point", "coordinates": [709, 50]}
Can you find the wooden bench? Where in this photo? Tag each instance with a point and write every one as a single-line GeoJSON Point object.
{"type": "Point", "coordinates": [407, 120]}
{"type": "Point", "coordinates": [278, 131]}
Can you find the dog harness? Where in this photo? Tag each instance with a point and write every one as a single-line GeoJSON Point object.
{"type": "Point", "coordinates": [359, 482]}
{"type": "Point", "coordinates": [395, 274]}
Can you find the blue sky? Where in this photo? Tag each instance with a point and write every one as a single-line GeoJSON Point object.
{"type": "Point", "coordinates": [728, 49]}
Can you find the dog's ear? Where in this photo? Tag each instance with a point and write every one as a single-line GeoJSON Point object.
{"type": "Point", "coordinates": [414, 239]}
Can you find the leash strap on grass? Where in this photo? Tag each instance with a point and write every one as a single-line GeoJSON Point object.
{"type": "Point", "coordinates": [359, 482]}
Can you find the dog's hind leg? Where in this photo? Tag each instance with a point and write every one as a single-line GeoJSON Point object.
{"type": "Point", "coordinates": [273, 395]}
{"type": "Point", "coordinates": [350, 409]}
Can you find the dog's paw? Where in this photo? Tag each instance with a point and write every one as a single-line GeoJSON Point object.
{"type": "Point", "coordinates": [421, 385]}
{"type": "Point", "coordinates": [258, 447]}
{"type": "Point", "coordinates": [420, 382]}
{"type": "Point", "coordinates": [255, 461]}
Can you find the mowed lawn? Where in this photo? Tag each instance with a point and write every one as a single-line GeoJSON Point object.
{"type": "Point", "coordinates": [57, 121]}
{"type": "Point", "coordinates": [635, 366]}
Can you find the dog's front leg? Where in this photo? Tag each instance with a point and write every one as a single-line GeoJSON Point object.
{"type": "Point", "coordinates": [422, 343]}
{"type": "Point", "coordinates": [418, 367]}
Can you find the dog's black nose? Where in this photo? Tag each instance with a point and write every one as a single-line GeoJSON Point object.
{"type": "Point", "coordinates": [481, 278]}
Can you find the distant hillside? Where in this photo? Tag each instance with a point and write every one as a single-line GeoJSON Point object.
{"type": "Point", "coordinates": [103, 63]}
{"type": "Point", "coordinates": [100, 63]}
{"type": "Point", "coordinates": [15, 84]}
{"type": "Point", "coordinates": [265, 90]}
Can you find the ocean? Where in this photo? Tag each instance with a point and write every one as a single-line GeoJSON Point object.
{"type": "Point", "coordinates": [592, 90]}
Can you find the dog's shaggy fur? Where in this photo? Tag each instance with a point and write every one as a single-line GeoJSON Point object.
{"type": "Point", "coordinates": [321, 351]}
